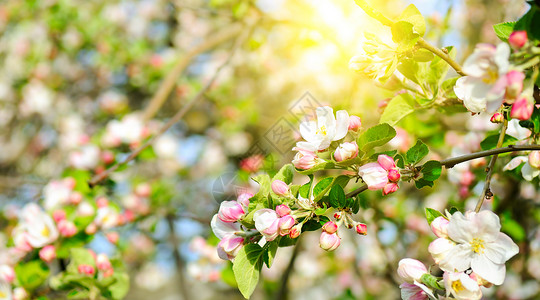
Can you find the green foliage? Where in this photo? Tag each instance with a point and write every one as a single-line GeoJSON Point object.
{"type": "Point", "coordinates": [503, 30]}
{"type": "Point", "coordinates": [490, 142]}
{"type": "Point", "coordinates": [285, 174]}
{"type": "Point", "coordinates": [530, 22]}
{"type": "Point", "coordinates": [409, 27]}
{"type": "Point", "coordinates": [376, 136]}
{"type": "Point", "coordinates": [32, 274]}
{"type": "Point", "coordinates": [322, 187]}
{"type": "Point", "coordinates": [431, 281]}
{"type": "Point", "coordinates": [416, 153]}
{"type": "Point", "coordinates": [432, 214]}
{"type": "Point", "coordinates": [247, 267]}
{"type": "Point", "coordinates": [337, 197]}
{"type": "Point", "coordinates": [399, 107]}
{"type": "Point", "coordinates": [431, 170]}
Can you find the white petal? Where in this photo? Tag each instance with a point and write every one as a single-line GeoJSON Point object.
{"type": "Point", "coordinates": [308, 130]}
{"type": "Point", "coordinates": [501, 57]}
{"type": "Point", "coordinates": [488, 225]}
{"type": "Point", "coordinates": [505, 245]}
{"type": "Point", "coordinates": [529, 172]}
{"type": "Point", "coordinates": [515, 162]}
{"type": "Point", "coordinates": [488, 270]}
{"type": "Point", "coordinates": [458, 258]}
{"type": "Point", "coordinates": [222, 229]}
{"type": "Point", "coordinates": [461, 87]}
{"type": "Point", "coordinates": [342, 125]}
{"type": "Point", "coordinates": [460, 229]}
{"type": "Point", "coordinates": [307, 146]}
{"type": "Point", "coordinates": [325, 117]}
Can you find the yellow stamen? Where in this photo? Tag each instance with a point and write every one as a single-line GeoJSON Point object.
{"type": "Point", "coordinates": [478, 245]}
{"type": "Point", "coordinates": [491, 76]}
{"type": "Point", "coordinates": [45, 232]}
{"type": "Point", "coordinates": [322, 130]}
{"type": "Point", "coordinates": [2, 295]}
{"type": "Point", "coordinates": [457, 286]}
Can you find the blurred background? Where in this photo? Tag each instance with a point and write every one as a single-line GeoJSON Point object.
{"type": "Point", "coordinates": [84, 81]}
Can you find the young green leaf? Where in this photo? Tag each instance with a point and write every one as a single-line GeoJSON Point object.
{"type": "Point", "coordinates": [503, 30]}
{"type": "Point", "coordinates": [491, 141]}
{"type": "Point", "coordinates": [432, 214]}
{"type": "Point", "coordinates": [412, 15]}
{"type": "Point", "coordinates": [376, 136]}
{"type": "Point", "coordinates": [322, 186]}
{"type": "Point", "coordinates": [398, 108]}
{"type": "Point", "coordinates": [337, 197]}
{"type": "Point", "coordinates": [31, 274]}
{"type": "Point", "coordinates": [247, 267]}
{"type": "Point", "coordinates": [417, 152]}
{"type": "Point", "coordinates": [420, 183]}
{"type": "Point", "coordinates": [285, 174]}
{"type": "Point", "coordinates": [431, 170]}
{"type": "Point", "coordinates": [270, 253]}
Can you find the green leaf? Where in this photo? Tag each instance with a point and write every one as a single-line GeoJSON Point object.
{"type": "Point", "coordinates": [399, 107]}
{"type": "Point", "coordinates": [356, 205]}
{"type": "Point", "coordinates": [227, 275]}
{"type": "Point", "coordinates": [264, 189]}
{"type": "Point", "coordinates": [432, 214]}
{"type": "Point", "coordinates": [337, 197]}
{"type": "Point", "coordinates": [247, 267]}
{"type": "Point", "coordinates": [422, 55]}
{"type": "Point", "coordinates": [438, 68]}
{"type": "Point", "coordinates": [120, 287]}
{"type": "Point", "coordinates": [32, 274]}
{"type": "Point", "coordinates": [431, 281]}
{"type": "Point", "coordinates": [285, 174]}
{"type": "Point", "coordinates": [399, 160]}
{"type": "Point", "coordinates": [305, 189]}
{"type": "Point", "coordinates": [78, 294]}
{"type": "Point", "coordinates": [417, 152]}
{"type": "Point", "coordinates": [322, 186]}
{"type": "Point", "coordinates": [313, 224]}
{"type": "Point", "coordinates": [512, 227]}
{"type": "Point", "coordinates": [270, 253]}
{"type": "Point", "coordinates": [431, 170]}
{"type": "Point", "coordinates": [490, 142]}
{"type": "Point", "coordinates": [503, 30]}
{"type": "Point", "coordinates": [530, 22]}
{"type": "Point", "coordinates": [412, 15]}
{"type": "Point", "coordinates": [376, 136]}
{"type": "Point", "coordinates": [404, 35]}
{"type": "Point", "coordinates": [420, 183]}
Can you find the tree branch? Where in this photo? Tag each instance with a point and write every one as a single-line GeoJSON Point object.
{"type": "Point", "coordinates": [282, 293]}
{"type": "Point", "coordinates": [422, 43]}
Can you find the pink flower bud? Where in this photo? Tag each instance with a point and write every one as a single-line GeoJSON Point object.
{"type": "Point", "coordinates": [514, 84]}
{"type": "Point", "coordinates": [103, 263]}
{"type": "Point", "coordinates": [285, 224]}
{"type": "Point", "coordinates": [346, 151]}
{"type": "Point", "coordinates": [70, 182]}
{"type": "Point", "coordinates": [411, 269]}
{"type": "Point", "coordinates": [47, 253]}
{"type": "Point", "coordinates": [393, 175]}
{"type": "Point", "coordinates": [107, 157]}
{"type": "Point", "coordinates": [230, 211]}
{"type": "Point", "coordinates": [386, 162]}
{"type": "Point", "coordinates": [280, 188]}
{"type": "Point", "coordinates": [439, 226]}
{"type": "Point", "coordinates": [304, 159]}
{"type": "Point", "coordinates": [7, 273]}
{"type": "Point", "coordinates": [390, 188]}
{"type": "Point", "coordinates": [413, 292]}
{"type": "Point", "coordinates": [143, 190]}
{"type": "Point", "coordinates": [67, 228]}
{"type": "Point", "coordinates": [91, 229]}
{"type": "Point", "coordinates": [267, 223]}
{"type": "Point", "coordinates": [329, 241]}
{"type": "Point", "coordinates": [355, 123]}
{"type": "Point", "coordinates": [243, 199]}
{"type": "Point", "coordinates": [534, 159]}
{"type": "Point", "coordinates": [113, 237]}
{"type": "Point", "coordinates": [86, 270]}
{"type": "Point", "coordinates": [467, 178]}
{"type": "Point", "coordinates": [59, 215]}
{"type": "Point", "coordinates": [522, 109]}
{"type": "Point", "coordinates": [229, 247]}
{"type": "Point", "coordinates": [102, 202]}
{"type": "Point", "coordinates": [75, 198]}
{"type": "Point", "coordinates": [518, 39]}
{"type": "Point", "coordinates": [295, 231]}
{"type": "Point", "coordinates": [361, 228]}
{"type": "Point", "coordinates": [497, 118]}
{"type": "Point", "coordinates": [330, 227]}
{"type": "Point", "coordinates": [283, 210]}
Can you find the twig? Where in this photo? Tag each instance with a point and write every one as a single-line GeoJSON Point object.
{"type": "Point", "coordinates": [177, 117]}
{"type": "Point", "coordinates": [180, 266]}
{"type": "Point", "coordinates": [168, 84]}
{"type": "Point", "coordinates": [486, 192]}
{"type": "Point", "coordinates": [282, 293]}
{"type": "Point", "coordinates": [422, 43]}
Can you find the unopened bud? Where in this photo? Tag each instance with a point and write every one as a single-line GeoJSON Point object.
{"type": "Point", "coordinates": [75, 198]}
{"type": "Point", "coordinates": [230, 211]}
{"type": "Point", "coordinates": [7, 273]}
{"type": "Point", "coordinates": [497, 118]}
{"type": "Point", "coordinates": [47, 253]}
{"type": "Point", "coordinates": [107, 157]}
{"type": "Point", "coordinates": [280, 188]}
{"type": "Point", "coordinates": [102, 202]}
{"type": "Point", "coordinates": [59, 215]}
{"type": "Point", "coordinates": [295, 231]}
{"type": "Point", "coordinates": [534, 159]}
{"type": "Point", "coordinates": [514, 85]}
{"type": "Point", "coordinates": [330, 227]}
{"type": "Point", "coordinates": [86, 269]}
{"type": "Point", "coordinates": [389, 188]}
{"type": "Point", "coordinates": [518, 39]}
{"type": "Point", "coordinates": [439, 226]}
{"type": "Point", "coordinates": [285, 224]}
{"type": "Point", "coordinates": [522, 109]}
{"type": "Point", "coordinates": [361, 228]}
{"type": "Point", "coordinates": [143, 190]}
{"type": "Point", "coordinates": [346, 151]}
{"type": "Point", "coordinates": [20, 293]}
{"type": "Point", "coordinates": [411, 270]}
{"type": "Point", "coordinates": [91, 229]}
{"type": "Point", "coordinates": [329, 242]}
{"type": "Point", "coordinates": [243, 199]}
{"type": "Point", "coordinates": [386, 162]}
{"type": "Point", "coordinates": [355, 123]}
{"type": "Point", "coordinates": [393, 175]}
{"type": "Point", "coordinates": [283, 210]}
{"type": "Point", "coordinates": [113, 237]}
{"type": "Point", "coordinates": [103, 263]}
{"type": "Point", "coordinates": [67, 228]}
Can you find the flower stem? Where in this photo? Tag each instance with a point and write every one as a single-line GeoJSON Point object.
{"type": "Point", "coordinates": [422, 43]}
{"type": "Point", "coordinates": [486, 192]}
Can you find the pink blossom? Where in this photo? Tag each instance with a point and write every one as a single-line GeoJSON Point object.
{"type": "Point", "coordinates": [7, 273]}
{"type": "Point", "coordinates": [497, 118]}
{"type": "Point", "coordinates": [229, 247]}
{"type": "Point", "coordinates": [280, 188]}
{"type": "Point", "coordinates": [355, 123]}
{"type": "Point", "coordinates": [514, 85]}
{"type": "Point", "coordinates": [283, 210]}
{"type": "Point", "coordinates": [390, 188]}
{"type": "Point", "coordinates": [267, 222]}
{"type": "Point", "coordinates": [439, 226]}
{"type": "Point", "coordinates": [86, 269]}
{"type": "Point", "coordinates": [346, 151]}
{"type": "Point", "coordinates": [522, 109]}
{"type": "Point", "coordinates": [230, 211]}
{"type": "Point", "coordinates": [103, 263]}
{"type": "Point", "coordinates": [47, 253]}
{"type": "Point", "coordinates": [518, 39]}
{"type": "Point", "coordinates": [285, 224]}
{"type": "Point", "coordinates": [386, 162]}
{"type": "Point", "coordinates": [373, 175]}
{"type": "Point", "coordinates": [411, 270]}
{"type": "Point", "coordinates": [304, 159]}
{"type": "Point", "coordinates": [329, 241]}
{"type": "Point", "coordinates": [330, 227]}
{"type": "Point", "coordinates": [361, 228]}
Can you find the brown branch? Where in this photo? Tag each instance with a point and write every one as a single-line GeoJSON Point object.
{"type": "Point", "coordinates": [422, 43]}
{"type": "Point", "coordinates": [283, 291]}
{"type": "Point", "coordinates": [179, 261]}
{"type": "Point", "coordinates": [169, 82]}
{"type": "Point", "coordinates": [177, 117]}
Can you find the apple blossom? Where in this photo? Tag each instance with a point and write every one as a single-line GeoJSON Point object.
{"type": "Point", "coordinates": [411, 270]}
{"type": "Point", "coordinates": [304, 159]}
{"type": "Point", "coordinates": [361, 228]}
{"type": "Point", "coordinates": [461, 286]}
{"type": "Point", "coordinates": [522, 109]}
{"type": "Point", "coordinates": [5, 291]}
{"type": "Point", "coordinates": [280, 188]}
{"type": "Point", "coordinates": [283, 210]}
{"type": "Point", "coordinates": [222, 229]}
{"type": "Point", "coordinates": [440, 248]}
{"type": "Point", "coordinates": [319, 134]}
{"type": "Point", "coordinates": [103, 263]}
{"type": "Point", "coordinates": [86, 269]}
{"type": "Point", "coordinates": [527, 171]}
{"type": "Point", "coordinates": [106, 217]}
{"type": "Point", "coordinates": [514, 81]}
{"type": "Point", "coordinates": [38, 225]}
{"type": "Point", "coordinates": [67, 228]}
{"type": "Point", "coordinates": [374, 175]}
{"type": "Point", "coordinates": [7, 273]}
{"type": "Point", "coordinates": [439, 226]}
{"type": "Point", "coordinates": [479, 245]}
{"type": "Point", "coordinates": [394, 175]}
{"type": "Point", "coordinates": [390, 188]}
{"type": "Point", "coordinates": [295, 231]}
{"type": "Point", "coordinates": [534, 159]}
{"type": "Point", "coordinates": [330, 227]}
{"type": "Point", "coordinates": [285, 224]}
{"type": "Point", "coordinates": [346, 151]}
{"type": "Point", "coordinates": [56, 193]}
{"type": "Point", "coordinates": [113, 237]}
{"type": "Point", "coordinates": [86, 158]}
{"type": "Point", "coordinates": [386, 162]}
{"type": "Point", "coordinates": [329, 241]}
{"type": "Point", "coordinates": [243, 199]}
{"type": "Point", "coordinates": [85, 209]}
{"type": "Point", "coordinates": [497, 118]}
{"type": "Point", "coordinates": [483, 88]}
{"type": "Point", "coordinates": [412, 292]}
{"type": "Point", "coordinates": [518, 39]}
{"type": "Point", "coordinates": [230, 211]}
{"type": "Point", "coordinates": [266, 222]}
{"type": "Point", "coordinates": [229, 247]}
{"type": "Point", "coordinates": [59, 215]}
{"type": "Point", "coordinates": [47, 253]}
{"type": "Point", "coordinates": [355, 123]}
{"type": "Point", "coordinates": [20, 293]}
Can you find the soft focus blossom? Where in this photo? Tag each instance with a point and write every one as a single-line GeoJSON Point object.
{"type": "Point", "coordinates": [522, 109]}
{"type": "Point", "coordinates": [461, 286]}
{"type": "Point", "coordinates": [230, 211]}
{"type": "Point", "coordinates": [355, 123]}
{"type": "Point", "coordinates": [518, 39]}
{"type": "Point", "coordinates": [280, 188]}
{"type": "Point", "coordinates": [304, 159]}
{"type": "Point", "coordinates": [7, 273]}
{"type": "Point", "coordinates": [39, 227]}
{"type": "Point", "coordinates": [319, 134]}
{"type": "Point", "coordinates": [439, 226]}
{"type": "Point", "coordinates": [47, 253]}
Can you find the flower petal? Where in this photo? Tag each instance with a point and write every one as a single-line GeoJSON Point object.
{"type": "Point", "coordinates": [488, 225]}
{"type": "Point", "coordinates": [488, 270]}
{"type": "Point", "coordinates": [460, 229]}
{"type": "Point", "coordinates": [529, 172]}
{"type": "Point", "coordinates": [342, 125]}
{"type": "Point", "coordinates": [501, 249]}
{"type": "Point", "coordinates": [457, 259]}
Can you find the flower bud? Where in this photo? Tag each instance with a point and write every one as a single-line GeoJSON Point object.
{"type": "Point", "coordinates": [522, 109]}
{"type": "Point", "coordinates": [514, 84]}
{"type": "Point", "coordinates": [283, 210]}
{"type": "Point", "coordinates": [411, 270]}
{"type": "Point", "coordinates": [103, 263]}
{"type": "Point", "coordinates": [75, 198]}
{"type": "Point", "coordinates": [107, 157]}
{"type": "Point", "coordinates": [230, 211]}
{"type": "Point", "coordinates": [91, 229]}
{"type": "Point", "coordinates": [19, 293]}
{"type": "Point", "coordinates": [67, 228]}
{"type": "Point", "coordinates": [361, 228]}
{"type": "Point", "coordinates": [7, 273]}
{"type": "Point", "coordinates": [390, 188]}
{"type": "Point", "coordinates": [143, 190]}
{"type": "Point", "coordinates": [497, 118]}
{"type": "Point", "coordinates": [70, 182]}
{"type": "Point", "coordinates": [386, 162]}
{"type": "Point", "coordinates": [295, 231]}
{"type": "Point", "coordinates": [355, 123]}
{"type": "Point", "coordinates": [346, 151]}
{"type": "Point", "coordinates": [229, 247]}
{"type": "Point", "coordinates": [85, 209]}
{"type": "Point", "coordinates": [86, 269]}
{"type": "Point", "coordinates": [330, 227]}
{"type": "Point", "coordinates": [329, 241]}
{"type": "Point", "coordinates": [280, 188]}
{"type": "Point", "coordinates": [285, 224]}
{"type": "Point", "coordinates": [47, 253]}
{"type": "Point", "coordinates": [267, 222]}
{"type": "Point", "coordinates": [243, 199]}
{"type": "Point", "coordinates": [393, 175]}
{"type": "Point", "coordinates": [113, 237]}
{"type": "Point", "coordinates": [534, 159]}
{"type": "Point", "coordinates": [304, 159]}
{"type": "Point", "coordinates": [59, 215]}
{"type": "Point", "coordinates": [439, 226]}
{"type": "Point", "coordinates": [102, 202]}
{"type": "Point", "coordinates": [518, 39]}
